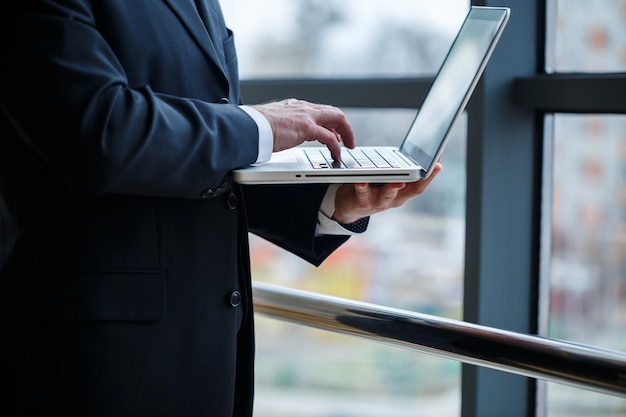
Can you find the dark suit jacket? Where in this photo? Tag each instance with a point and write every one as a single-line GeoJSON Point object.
{"type": "Point", "coordinates": [128, 293]}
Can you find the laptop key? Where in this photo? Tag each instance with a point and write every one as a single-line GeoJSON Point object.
{"type": "Point", "coordinates": [378, 160]}
{"type": "Point", "coordinates": [348, 160]}
{"type": "Point", "coordinates": [316, 159]}
{"type": "Point", "coordinates": [324, 160]}
{"type": "Point", "coordinates": [391, 159]}
{"type": "Point", "coordinates": [361, 159]}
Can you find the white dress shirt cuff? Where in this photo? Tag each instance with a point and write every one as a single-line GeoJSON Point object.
{"type": "Point", "coordinates": [325, 224]}
{"type": "Point", "coordinates": [266, 137]}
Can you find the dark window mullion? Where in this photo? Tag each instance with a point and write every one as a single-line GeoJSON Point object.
{"type": "Point", "coordinates": [572, 93]}
{"type": "Point", "coordinates": [355, 93]}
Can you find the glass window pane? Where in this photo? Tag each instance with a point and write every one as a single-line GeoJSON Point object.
{"type": "Point", "coordinates": [342, 38]}
{"type": "Point", "coordinates": [586, 36]}
{"type": "Point", "coordinates": [303, 372]}
{"type": "Point", "coordinates": [587, 272]}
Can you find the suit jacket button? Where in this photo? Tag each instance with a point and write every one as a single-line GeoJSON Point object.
{"type": "Point", "coordinates": [224, 100]}
{"type": "Point", "coordinates": [235, 298]}
{"type": "Point", "coordinates": [232, 201]}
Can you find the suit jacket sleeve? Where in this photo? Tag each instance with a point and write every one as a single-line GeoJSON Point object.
{"type": "Point", "coordinates": [99, 122]}
{"type": "Point", "coordinates": [277, 216]}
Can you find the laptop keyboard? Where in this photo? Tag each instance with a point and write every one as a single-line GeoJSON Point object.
{"type": "Point", "coordinates": [352, 158]}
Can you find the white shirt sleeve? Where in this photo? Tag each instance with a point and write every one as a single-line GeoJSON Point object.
{"type": "Point", "coordinates": [325, 224]}
{"type": "Point", "coordinates": [266, 136]}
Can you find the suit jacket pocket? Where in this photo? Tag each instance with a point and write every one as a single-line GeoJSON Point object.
{"type": "Point", "coordinates": [229, 47]}
{"type": "Point", "coordinates": [118, 295]}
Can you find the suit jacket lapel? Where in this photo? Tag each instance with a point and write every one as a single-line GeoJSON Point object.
{"type": "Point", "coordinates": [191, 19]}
{"type": "Point", "coordinates": [211, 18]}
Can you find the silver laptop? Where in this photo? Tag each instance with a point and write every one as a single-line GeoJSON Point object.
{"type": "Point", "coordinates": [422, 146]}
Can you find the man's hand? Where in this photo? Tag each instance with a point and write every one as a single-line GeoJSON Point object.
{"type": "Point", "coordinates": [296, 121]}
{"type": "Point", "coordinates": [355, 201]}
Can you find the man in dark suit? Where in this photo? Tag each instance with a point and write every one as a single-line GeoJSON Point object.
{"type": "Point", "coordinates": [128, 291]}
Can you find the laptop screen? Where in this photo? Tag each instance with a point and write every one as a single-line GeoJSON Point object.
{"type": "Point", "coordinates": [454, 84]}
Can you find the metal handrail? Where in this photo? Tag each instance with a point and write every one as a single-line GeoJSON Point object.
{"type": "Point", "coordinates": [553, 360]}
